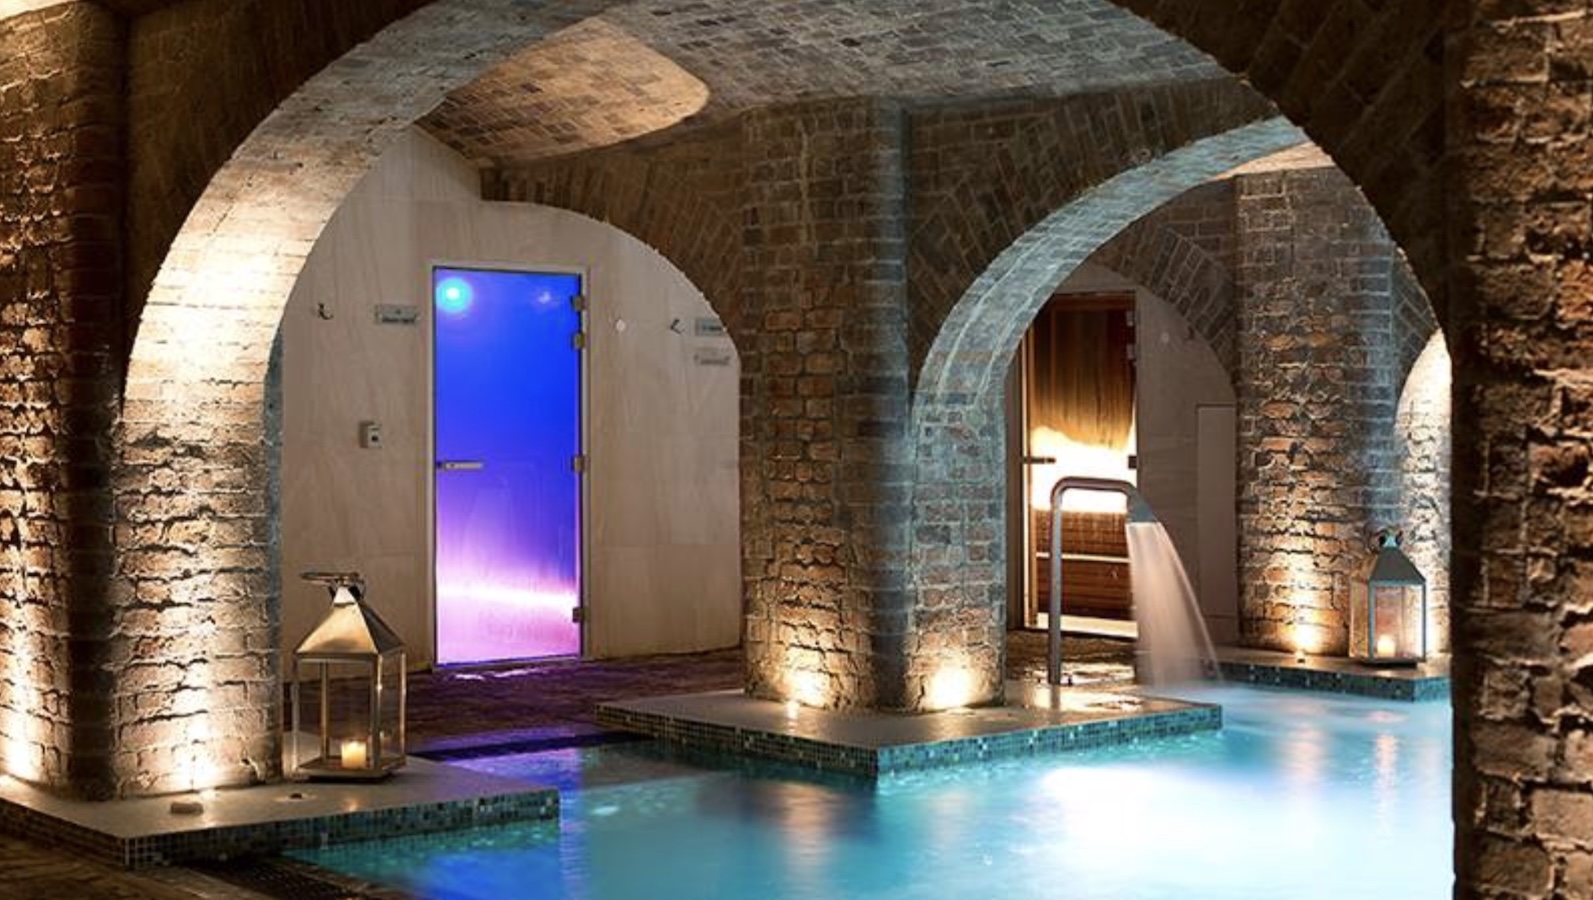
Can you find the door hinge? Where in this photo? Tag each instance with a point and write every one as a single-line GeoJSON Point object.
{"type": "Point", "coordinates": [577, 614]}
{"type": "Point", "coordinates": [578, 303]}
{"type": "Point", "coordinates": [1132, 353]}
{"type": "Point", "coordinates": [578, 462]}
{"type": "Point", "coordinates": [578, 340]}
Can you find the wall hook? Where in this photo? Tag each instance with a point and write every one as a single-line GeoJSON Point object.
{"type": "Point", "coordinates": [322, 311]}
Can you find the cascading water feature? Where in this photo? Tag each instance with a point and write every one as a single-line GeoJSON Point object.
{"type": "Point", "coordinates": [1174, 645]}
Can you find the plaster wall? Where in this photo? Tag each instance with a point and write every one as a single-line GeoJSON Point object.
{"type": "Point", "coordinates": [663, 537]}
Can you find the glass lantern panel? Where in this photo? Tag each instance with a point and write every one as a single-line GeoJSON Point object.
{"type": "Point", "coordinates": [347, 714]}
{"type": "Point", "coordinates": [390, 709]}
{"type": "Point", "coordinates": [1396, 632]}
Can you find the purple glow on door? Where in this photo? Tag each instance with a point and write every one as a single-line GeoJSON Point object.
{"type": "Point", "coordinates": [508, 424]}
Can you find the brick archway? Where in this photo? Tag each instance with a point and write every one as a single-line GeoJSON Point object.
{"type": "Point", "coordinates": [195, 576]}
{"type": "Point", "coordinates": [957, 429]}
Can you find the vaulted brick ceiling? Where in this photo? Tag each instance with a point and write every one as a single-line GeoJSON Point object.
{"type": "Point", "coordinates": [644, 66]}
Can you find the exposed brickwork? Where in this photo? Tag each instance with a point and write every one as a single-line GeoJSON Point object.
{"type": "Point", "coordinates": [201, 75]}
{"type": "Point", "coordinates": [592, 86]}
{"type": "Point", "coordinates": [586, 87]}
{"type": "Point", "coordinates": [60, 279]}
{"type": "Point", "coordinates": [958, 430]}
{"type": "Point", "coordinates": [984, 175]}
{"type": "Point", "coordinates": [1184, 254]}
{"type": "Point", "coordinates": [1317, 388]}
{"type": "Point", "coordinates": [682, 197]}
{"type": "Point", "coordinates": [824, 480]}
{"type": "Point", "coordinates": [196, 594]}
{"type": "Point", "coordinates": [1521, 106]}
{"type": "Point", "coordinates": [1365, 79]}
{"type": "Point", "coordinates": [1422, 443]}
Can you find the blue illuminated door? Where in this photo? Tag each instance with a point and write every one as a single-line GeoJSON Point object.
{"type": "Point", "coordinates": [507, 382]}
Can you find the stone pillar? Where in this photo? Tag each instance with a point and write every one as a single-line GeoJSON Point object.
{"type": "Point", "coordinates": [824, 363]}
{"type": "Point", "coordinates": [1520, 92]}
{"type": "Point", "coordinates": [1317, 386]}
{"type": "Point", "coordinates": [60, 291]}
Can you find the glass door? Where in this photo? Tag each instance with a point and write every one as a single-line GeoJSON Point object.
{"type": "Point", "coordinates": [507, 429]}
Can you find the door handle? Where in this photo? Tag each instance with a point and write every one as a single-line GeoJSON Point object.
{"type": "Point", "coordinates": [460, 465]}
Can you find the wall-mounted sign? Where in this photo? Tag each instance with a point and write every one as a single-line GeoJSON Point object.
{"type": "Point", "coordinates": [396, 314]}
{"type": "Point", "coordinates": [708, 326]}
{"type": "Point", "coordinates": [713, 356]}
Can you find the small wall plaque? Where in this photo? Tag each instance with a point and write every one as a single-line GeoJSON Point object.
{"type": "Point", "coordinates": [396, 314]}
{"type": "Point", "coordinates": [708, 326]}
{"type": "Point", "coordinates": [712, 356]}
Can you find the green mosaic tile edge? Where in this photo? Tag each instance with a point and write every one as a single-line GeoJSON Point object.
{"type": "Point", "coordinates": [1367, 684]}
{"type": "Point", "coordinates": [274, 837]}
{"type": "Point", "coordinates": [886, 761]}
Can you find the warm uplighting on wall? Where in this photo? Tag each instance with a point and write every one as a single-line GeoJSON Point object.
{"type": "Point", "coordinates": [9, 8]}
{"type": "Point", "coordinates": [950, 687]}
{"type": "Point", "coordinates": [1309, 592]}
{"type": "Point", "coordinates": [19, 723]}
{"type": "Point", "coordinates": [1076, 459]}
{"type": "Point", "coordinates": [808, 687]}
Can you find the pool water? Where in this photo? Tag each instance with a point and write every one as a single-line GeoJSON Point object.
{"type": "Point", "coordinates": [1299, 796]}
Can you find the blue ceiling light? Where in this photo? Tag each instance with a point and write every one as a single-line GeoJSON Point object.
{"type": "Point", "coordinates": [454, 295]}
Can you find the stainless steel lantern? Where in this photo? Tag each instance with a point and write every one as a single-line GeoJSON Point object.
{"type": "Point", "coordinates": [357, 664]}
{"type": "Point", "coordinates": [1393, 622]}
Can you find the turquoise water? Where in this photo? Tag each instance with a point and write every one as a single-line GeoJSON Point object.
{"type": "Point", "coordinates": [1299, 796]}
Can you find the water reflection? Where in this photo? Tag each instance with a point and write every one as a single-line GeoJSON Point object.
{"type": "Point", "coordinates": [1277, 804]}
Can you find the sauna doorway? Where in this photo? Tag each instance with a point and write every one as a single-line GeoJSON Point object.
{"type": "Point", "coordinates": [1073, 414]}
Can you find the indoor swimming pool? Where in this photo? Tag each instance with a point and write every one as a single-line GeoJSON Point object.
{"type": "Point", "coordinates": [1299, 796]}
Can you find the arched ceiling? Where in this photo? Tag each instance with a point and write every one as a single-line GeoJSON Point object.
{"type": "Point", "coordinates": [643, 66]}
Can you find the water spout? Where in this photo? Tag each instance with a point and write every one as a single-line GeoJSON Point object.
{"type": "Point", "coordinates": [1171, 628]}
{"type": "Point", "coordinates": [1138, 511]}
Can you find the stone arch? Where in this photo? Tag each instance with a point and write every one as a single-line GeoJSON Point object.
{"type": "Point", "coordinates": [985, 176]}
{"type": "Point", "coordinates": [1191, 277]}
{"type": "Point", "coordinates": [194, 571]}
{"type": "Point", "coordinates": [957, 419]}
{"type": "Point", "coordinates": [1365, 81]}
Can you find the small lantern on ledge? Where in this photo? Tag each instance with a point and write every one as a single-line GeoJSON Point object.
{"type": "Point", "coordinates": [1395, 614]}
{"type": "Point", "coordinates": [359, 664]}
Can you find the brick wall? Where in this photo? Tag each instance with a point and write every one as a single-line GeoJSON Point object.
{"type": "Point", "coordinates": [681, 197]}
{"type": "Point", "coordinates": [1316, 386]}
{"type": "Point", "coordinates": [1184, 253]}
{"type": "Point", "coordinates": [200, 76]}
{"type": "Point", "coordinates": [60, 259]}
{"type": "Point", "coordinates": [824, 484]}
{"type": "Point", "coordinates": [984, 174]}
{"type": "Point", "coordinates": [1365, 80]}
{"type": "Point", "coordinates": [1520, 110]}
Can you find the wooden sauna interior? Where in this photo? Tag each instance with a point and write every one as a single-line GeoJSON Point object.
{"type": "Point", "coordinates": [1075, 402]}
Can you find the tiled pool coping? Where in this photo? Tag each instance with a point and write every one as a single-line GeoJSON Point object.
{"type": "Point", "coordinates": [1426, 682]}
{"type": "Point", "coordinates": [1035, 720]}
{"type": "Point", "coordinates": [422, 798]}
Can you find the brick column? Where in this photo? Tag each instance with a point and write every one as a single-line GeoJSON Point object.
{"type": "Point", "coordinates": [60, 279]}
{"type": "Point", "coordinates": [1520, 90]}
{"type": "Point", "coordinates": [824, 404]}
{"type": "Point", "coordinates": [1317, 385]}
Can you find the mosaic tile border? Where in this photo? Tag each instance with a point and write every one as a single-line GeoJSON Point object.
{"type": "Point", "coordinates": [885, 761]}
{"type": "Point", "coordinates": [1413, 689]}
{"type": "Point", "coordinates": [273, 837]}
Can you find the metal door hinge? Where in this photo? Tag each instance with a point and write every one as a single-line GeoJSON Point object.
{"type": "Point", "coordinates": [578, 303]}
{"type": "Point", "coordinates": [577, 614]}
{"type": "Point", "coordinates": [578, 340]}
{"type": "Point", "coordinates": [578, 462]}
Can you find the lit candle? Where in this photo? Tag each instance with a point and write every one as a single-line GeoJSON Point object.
{"type": "Point", "coordinates": [353, 753]}
{"type": "Point", "coordinates": [1385, 645]}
